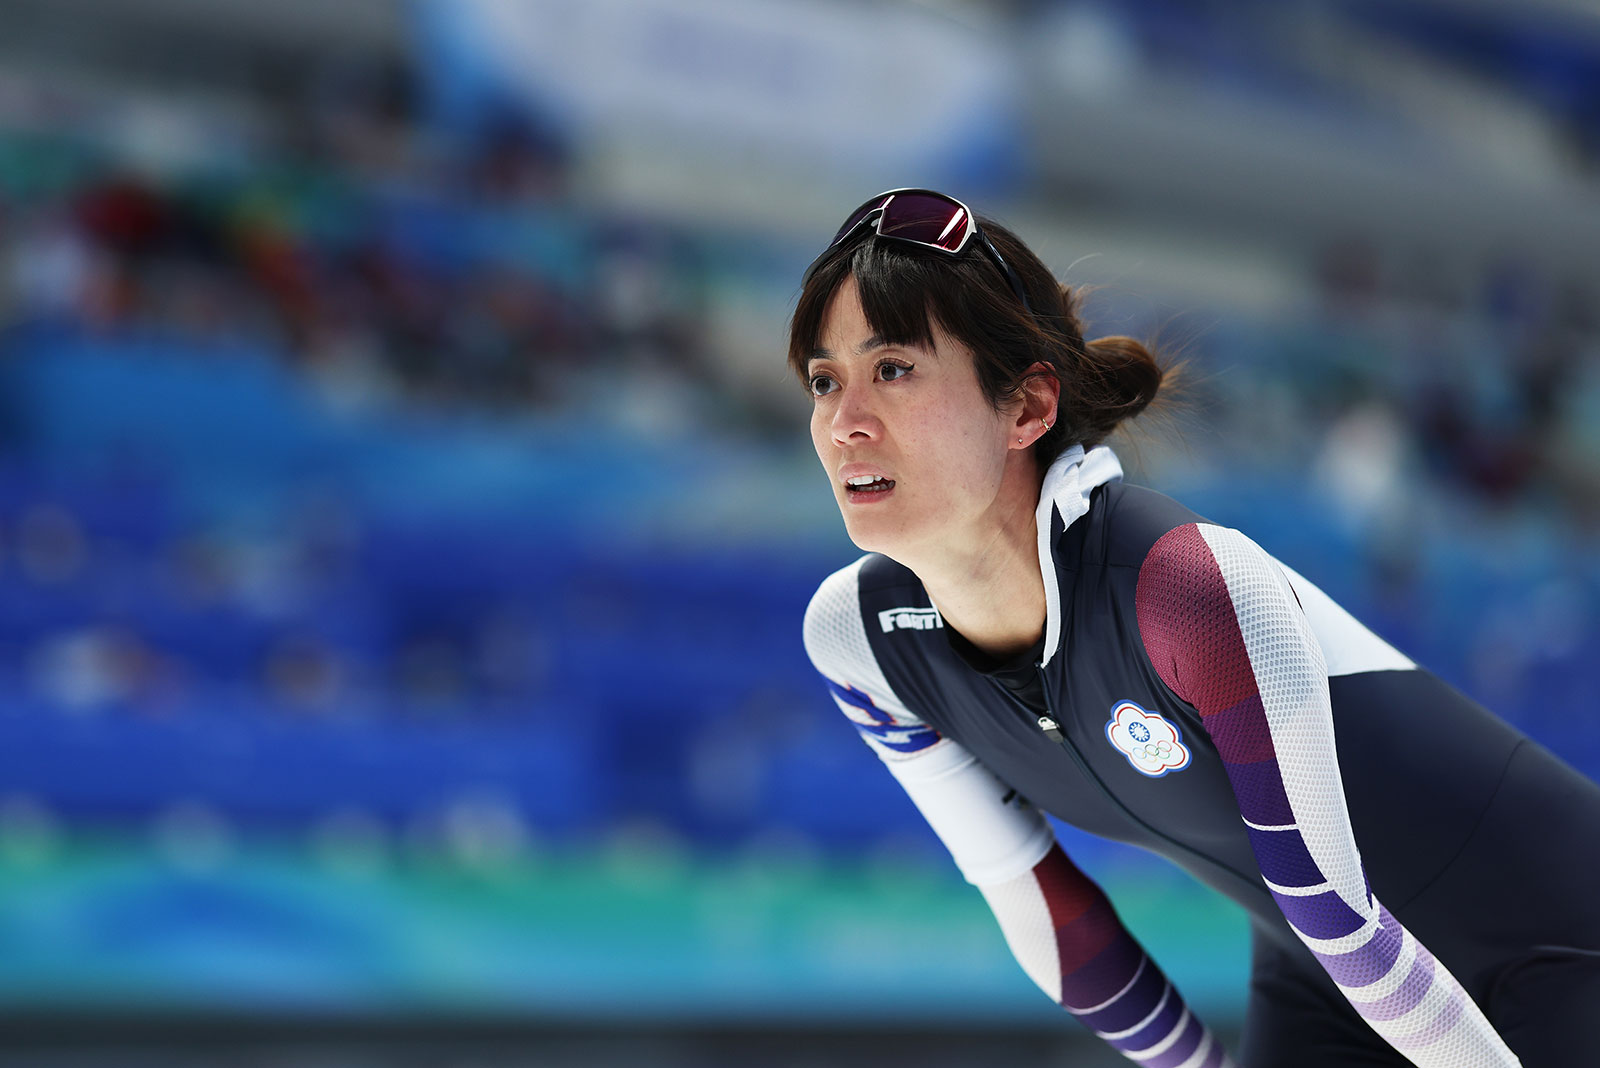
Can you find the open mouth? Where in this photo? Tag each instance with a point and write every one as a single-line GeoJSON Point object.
{"type": "Point", "coordinates": [882, 485]}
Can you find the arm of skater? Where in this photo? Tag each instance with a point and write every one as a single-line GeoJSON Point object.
{"type": "Point", "coordinates": [1227, 634]}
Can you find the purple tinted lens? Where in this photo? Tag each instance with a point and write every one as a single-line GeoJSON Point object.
{"type": "Point", "coordinates": [926, 218]}
{"type": "Point", "coordinates": [855, 219]}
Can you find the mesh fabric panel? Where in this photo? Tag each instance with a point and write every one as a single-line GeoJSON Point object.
{"type": "Point", "coordinates": [1225, 631]}
{"type": "Point", "coordinates": [836, 641]}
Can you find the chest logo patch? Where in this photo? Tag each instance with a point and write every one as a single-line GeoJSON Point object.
{"type": "Point", "coordinates": [1152, 745]}
{"type": "Point", "coordinates": [909, 619]}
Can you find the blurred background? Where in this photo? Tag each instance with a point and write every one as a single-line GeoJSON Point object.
{"type": "Point", "coordinates": [406, 516]}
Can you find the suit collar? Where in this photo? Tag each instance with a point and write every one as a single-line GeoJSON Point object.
{"type": "Point", "coordinates": [1067, 485]}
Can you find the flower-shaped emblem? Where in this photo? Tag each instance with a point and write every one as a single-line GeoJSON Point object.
{"type": "Point", "coordinates": [1151, 744]}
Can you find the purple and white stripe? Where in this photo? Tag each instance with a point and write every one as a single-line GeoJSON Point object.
{"type": "Point", "coordinates": [1069, 939]}
{"type": "Point", "coordinates": [1225, 630]}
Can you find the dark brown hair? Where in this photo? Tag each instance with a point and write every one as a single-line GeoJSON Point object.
{"type": "Point", "coordinates": [904, 289]}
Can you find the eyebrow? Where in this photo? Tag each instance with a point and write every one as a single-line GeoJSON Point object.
{"type": "Point", "coordinates": [876, 341]}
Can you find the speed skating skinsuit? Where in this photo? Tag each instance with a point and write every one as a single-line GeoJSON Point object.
{"type": "Point", "coordinates": [1422, 879]}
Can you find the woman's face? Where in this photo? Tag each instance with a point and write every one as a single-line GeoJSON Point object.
{"type": "Point", "coordinates": [913, 416]}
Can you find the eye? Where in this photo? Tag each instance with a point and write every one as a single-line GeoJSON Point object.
{"type": "Point", "coordinates": [884, 366]}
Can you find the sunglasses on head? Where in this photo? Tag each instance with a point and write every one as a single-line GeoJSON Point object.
{"type": "Point", "coordinates": [923, 217]}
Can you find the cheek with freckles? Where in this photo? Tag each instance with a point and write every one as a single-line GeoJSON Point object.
{"type": "Point", "coordinates": [953, 446]}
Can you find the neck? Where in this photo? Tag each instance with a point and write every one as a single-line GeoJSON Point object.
{"type": "Point", "coordinates": [987, 584]}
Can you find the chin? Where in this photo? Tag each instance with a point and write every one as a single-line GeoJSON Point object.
{"type": "Point", "coordinates": [871, 537]}
{"type": "Point", "coordinates": [867, 545]}
{"type": "Point", "coordinates": [865, 538]}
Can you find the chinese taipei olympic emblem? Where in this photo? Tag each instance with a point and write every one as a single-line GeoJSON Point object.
{"type": "Point", "coordinates": [1151, 744]}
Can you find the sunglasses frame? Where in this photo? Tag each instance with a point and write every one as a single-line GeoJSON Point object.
{"type": "Point", "coordinates": [872, 212]}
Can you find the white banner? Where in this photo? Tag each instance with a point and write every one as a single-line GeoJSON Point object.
{"type": "Point", "coordinates": [873, 84]}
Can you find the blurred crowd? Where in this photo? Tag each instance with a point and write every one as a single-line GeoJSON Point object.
{"type": "Point", "coordinates": [1491, 380]}
{"type": "Point", "coordinates": [495, 294]}
{"type": "Point", "coordinates": [476, 287]}
{"type": "Point", "coordinates": [477, 283]}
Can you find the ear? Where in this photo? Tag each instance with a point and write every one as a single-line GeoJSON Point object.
{"type": "Point", "coordinates": [1041, 394]}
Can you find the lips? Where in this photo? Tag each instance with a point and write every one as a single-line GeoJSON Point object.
{"type": "Point", "coordinates": [859, 469]}
{"type": "Point", "coordinates": [882, 485]}
{"type": "Point", "coordinates": [879, 488]}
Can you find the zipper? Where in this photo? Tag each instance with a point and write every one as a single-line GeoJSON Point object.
{"type": "Point", "coordinates": [1051, 729]}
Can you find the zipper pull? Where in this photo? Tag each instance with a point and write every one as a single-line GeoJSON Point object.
{"type": "Point", "coordinates": [1052, 729]}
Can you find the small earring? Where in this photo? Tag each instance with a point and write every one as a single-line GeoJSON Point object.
{"type": "Point", "coordinates": [1019, 441]}
{"type": "Point", "coordinates": [1046, 426]}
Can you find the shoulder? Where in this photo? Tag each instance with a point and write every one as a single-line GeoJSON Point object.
{"type": "Point", "coordinates": [836, 641]}
{"type": "Point", "coordinates": [834, 631]}
{"type": "Point", "coordinates": [1179, 556]}
{"type": "Point", "coordinates": [834, 610]}
{"type": "Point", "coordinates": [1199, 580]}
{"type": "Point", "coordinates": [1202, 568]}
{"type": "Point", "coordinates": [1205, 579]}
{"type": "Point", "coordinates": [1211, 606]}
{"type": "Point", "coordinates": [1127, 520]}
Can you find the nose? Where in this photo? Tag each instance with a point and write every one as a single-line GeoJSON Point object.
{"type": "Point", "coordinates": [855, 417]}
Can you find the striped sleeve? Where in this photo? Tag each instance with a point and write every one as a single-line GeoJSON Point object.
{"type": "Point", "coordinates": [1064, 932]}
{"type": "Point", "coordinates": [1225, 631]}
{"type": "Point", "coordinates": [1059, 925]}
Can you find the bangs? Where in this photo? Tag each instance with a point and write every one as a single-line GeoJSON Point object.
{"type": "Point", "coordinates": [898, 287]}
